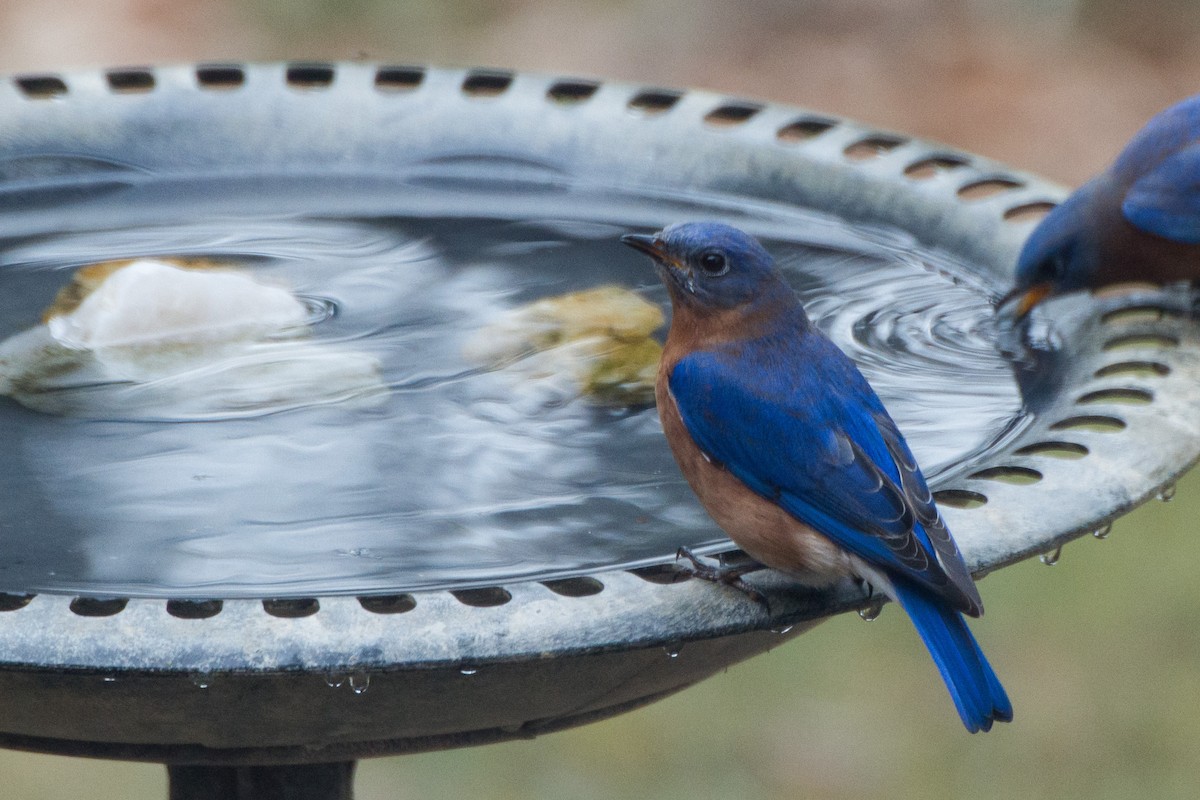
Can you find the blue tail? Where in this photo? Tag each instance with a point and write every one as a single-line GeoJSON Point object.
{"type": "Point", "coordinates": [976, 691]}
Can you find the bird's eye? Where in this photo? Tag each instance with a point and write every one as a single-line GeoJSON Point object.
{"type": "Point", "coordinates": [713, 263]}
{"type": "Point", "coordinates": [1052, 269]}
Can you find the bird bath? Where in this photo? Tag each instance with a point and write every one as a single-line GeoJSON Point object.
{"type": "Point", "coordinates": [431, 539]}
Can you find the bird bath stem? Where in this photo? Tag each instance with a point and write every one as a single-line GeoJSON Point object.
{"type": "Point", "coordinates": [287, 782]}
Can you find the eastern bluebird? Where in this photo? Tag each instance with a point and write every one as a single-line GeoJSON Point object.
{"type": "Point", "coordinates": [1137, 221]}
{"type": "Point", "coordinates": [792, 453]}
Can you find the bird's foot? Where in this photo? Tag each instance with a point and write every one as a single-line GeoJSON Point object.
{"type": "Point", "coordinates": [727, 574]}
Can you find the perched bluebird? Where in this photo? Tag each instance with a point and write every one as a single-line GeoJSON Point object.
{"type": "Point", "coordinates": [792, 453]}
{"type": "Point", "coordinates": [1138, 221]}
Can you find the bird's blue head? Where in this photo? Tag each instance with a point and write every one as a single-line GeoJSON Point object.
{"type": "Point", "coordinates": [709, 265]}
{"type": "Point", "coordinates": [1059, 256]}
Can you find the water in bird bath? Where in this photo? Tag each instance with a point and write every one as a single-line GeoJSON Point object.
{"type": "Point", "coordinates": [412, 445]}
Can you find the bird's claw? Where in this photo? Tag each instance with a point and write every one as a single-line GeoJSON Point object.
{"type": "Point", "coordinates": [726, 575]}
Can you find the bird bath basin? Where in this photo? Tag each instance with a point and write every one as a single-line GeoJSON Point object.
{"type": "Point", "coordinates": [431, 539]}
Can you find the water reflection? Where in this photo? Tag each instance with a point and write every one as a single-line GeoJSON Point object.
{"type": "Point", "coordinates": [459, 473]}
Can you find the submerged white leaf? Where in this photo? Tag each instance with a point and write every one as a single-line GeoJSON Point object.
{"type": "Point", "coordinates": [148, 303]}
{"type": "Point", "coordinates": [152, 339]}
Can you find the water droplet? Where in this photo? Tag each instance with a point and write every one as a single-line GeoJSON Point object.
{"type": "Point", "coordinates": [673, 650]}
{"type": "Point", "coordinates": [469, 670]}
{"type": "Point", "coordinates": [333, 680]}
{"type": "Point", "coordinates": [358, 552]}
{"type": "Point", "coordinates": [318, 309]}
{"type": "Point", "coordinates": [1050, 559]}
{"type": "Point", "coordinates": [109, 679]}
{"type": "Point", "coordinates": [200, 681]}
{"type": "Point", "coordinates": [359, 682]}
{"type": "Point", "coordinates": [1102, 533]}
{"type": "Point", "coordinates": [871, 612]}
{"type": "Point", "coordinates": [1167, 493]}
{"type": "Point", "coordinates": [782, 629]}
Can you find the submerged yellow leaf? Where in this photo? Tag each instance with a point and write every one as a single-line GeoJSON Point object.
{"type": "Point", "coordinates": [601, 337]}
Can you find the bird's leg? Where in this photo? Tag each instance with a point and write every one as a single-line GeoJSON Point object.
{"type": "Point", "coordinates": [727, 574]}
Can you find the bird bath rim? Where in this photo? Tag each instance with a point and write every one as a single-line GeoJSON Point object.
{"type": "Point", "coordinates": [461, 651]}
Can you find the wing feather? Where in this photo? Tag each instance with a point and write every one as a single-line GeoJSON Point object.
{"type": "Point", "coordinates": [1166, 200]}
{"type": "Point", "coordinates": [808, 433]}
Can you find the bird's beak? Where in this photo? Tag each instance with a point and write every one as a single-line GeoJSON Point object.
{"type": "Point", "coordinates": [674, 272]}
{"type": "Point", "coordinates": [1026, 299]}
{"type": "Point", "coordinates": [648, 243]}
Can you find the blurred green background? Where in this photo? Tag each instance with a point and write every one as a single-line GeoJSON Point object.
{"type": "Point", "coordinates": [1101, 653]}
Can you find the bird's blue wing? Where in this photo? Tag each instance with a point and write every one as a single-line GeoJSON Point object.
{"type": "Point", "coordinates": [808, 433]}
{"type": "Point", "coordinates": [1166, 200]}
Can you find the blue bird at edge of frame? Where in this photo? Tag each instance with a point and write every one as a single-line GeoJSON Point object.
{"type": "Point", "coordinates": [1138, 221]}
{"type": "Point", "coordinates": [794, 456]}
